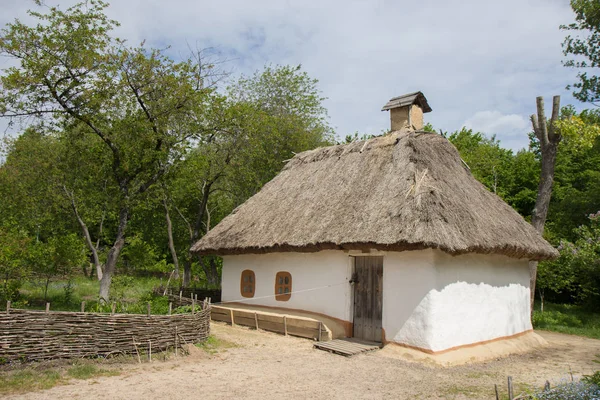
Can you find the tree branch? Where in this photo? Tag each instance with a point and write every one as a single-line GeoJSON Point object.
{"type": "Point", "coordinates": [552, 134]}
{"type": "Point", "coordinates": [541, 116]}
{"type": "Point", "coordinates": [86, 233]}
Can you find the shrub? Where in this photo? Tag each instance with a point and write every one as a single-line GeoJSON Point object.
{"type": "Point", "coordinates": [571, 391]}
{"type": "Point", "coordinates": [593, 379]}
{"type": "Point", "coordinates": [549, 318]}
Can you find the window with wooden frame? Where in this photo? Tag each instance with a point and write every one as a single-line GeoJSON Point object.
{"type": "Point", "coordinates": [247, 283]}
{"type": "Point", "coordinates": [283, 286]}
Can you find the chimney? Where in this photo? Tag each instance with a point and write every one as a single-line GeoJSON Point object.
{"type": "Point", "coordinates": [407, 111]}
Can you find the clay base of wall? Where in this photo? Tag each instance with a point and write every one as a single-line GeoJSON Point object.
{"type": "Point", "coordinates": [518, 344]}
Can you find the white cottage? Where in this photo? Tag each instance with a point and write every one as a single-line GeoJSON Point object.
{"type": "Point", "coordinates": [389, 239]}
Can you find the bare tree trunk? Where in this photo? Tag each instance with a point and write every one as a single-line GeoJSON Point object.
{"type": "Point", "coordinates": [113, 255]}
{"type": "Point", "coordinates": [549, 140]}
{"type": "Point", "coordinates": [171, 242]}
{"type": "Point", "coordinates": [187, 273]}
{"type": "Point", "coordinates": [209, 266]}
{"type": "Point", "coordinates": [86, 234]}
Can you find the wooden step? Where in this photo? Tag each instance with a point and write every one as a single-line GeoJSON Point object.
{"type": "Point", "coordinates": [347, 347]}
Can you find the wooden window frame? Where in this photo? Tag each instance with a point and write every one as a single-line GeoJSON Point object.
{"type": "Point", "coordinates": [250, 283]}
{"type": "Point", "coordinates": [283, 295]}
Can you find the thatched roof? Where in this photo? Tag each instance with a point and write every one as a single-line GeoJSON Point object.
{"type": "Point", "coordinates": [403, 191]}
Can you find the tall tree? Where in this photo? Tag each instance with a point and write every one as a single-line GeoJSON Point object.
{"type": "Point", "coordinates": [582, 47]}
{"type": "Point", "coordinates": [142, 105]}
{"type": "Point", "coordinates": [266, 119]}
{"type": "Point", "coordinates": [548, 137]}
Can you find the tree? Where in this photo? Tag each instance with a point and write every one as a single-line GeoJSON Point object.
{"type": "Point", "coordinates": [583, 47]}
{"type": "Point", "coordinates": [488, 162]}
{"type": "Point", "coordinates": [263, 122]}
{"type": "Point", "coordinates": [577, 271]}
{"type": "Point", "coordinates": [13, 267]}
{"type": "Point", "coordinates": [577, 131]}
{"type": "Point", "coordinates": [142, 105]}
{"type": "Point", "coordinates": [59, 257]}
{"type": "Point", "coordinates": [548, 137]}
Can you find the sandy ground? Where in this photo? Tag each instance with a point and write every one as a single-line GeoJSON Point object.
{"type": "Point", "coordinates": [269, 366]}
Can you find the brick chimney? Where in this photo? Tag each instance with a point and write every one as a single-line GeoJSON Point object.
{"type": "Point", "coordinates": [407, 111]}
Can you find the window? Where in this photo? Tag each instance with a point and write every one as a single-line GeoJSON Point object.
{"type": "Point", "coordinates": [247, 283]}
{"type": "Point", "coordinates": [283, 286]}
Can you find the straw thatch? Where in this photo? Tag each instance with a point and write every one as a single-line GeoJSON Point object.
{"type": "Point", "coordinates": [403, 191]}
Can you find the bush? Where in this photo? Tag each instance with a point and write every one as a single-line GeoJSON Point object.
{"type": "Point", "coordinates": [593, 379]}
{"type": "Point", "coordinates": [571, 391]}
{"type": "Point", "coordinates": [549, 318]}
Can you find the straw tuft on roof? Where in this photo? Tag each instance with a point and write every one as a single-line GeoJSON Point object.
{"type": "Point", "coordinates": [404, 191]}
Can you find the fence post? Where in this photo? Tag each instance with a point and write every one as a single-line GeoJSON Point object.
{"type": "Point", "coordinates": [114, 307]}
{"type": "Point", "coordinates": [256, 320]}
{"type": "Point", "coordinates": [180, 294]}
{"type": "Point", "coordinates": [284, 325]}
{"type": "Point", "coordinates": [148, 309]}
{"type": "Point", "coordinates": [231, 315]}
{"type": "Point", "coordinates": [510, 388]}
{"type": "Point", "coordinates": [149, 350]}
{"type": "Point", "coordinates": [8, 307]}
{"type": "Point", "coordinates": [176, 341]}
{"type": "Point", "coordinates": [170, 307]}
{"type": "Point", "coordinates": [47, 308]}
{"type": "Point", "coordinates": [83, 306]}
{"type": "Point", "coordinates": [193, 305]}
{"type": "Point", "coordinates": [320, 329]}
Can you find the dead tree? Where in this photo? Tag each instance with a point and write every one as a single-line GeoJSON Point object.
{"type": "Point", "coordinates": [549, 139]}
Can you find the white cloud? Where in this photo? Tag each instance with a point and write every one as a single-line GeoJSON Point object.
{"type": "Point", "coordinates": [512, 129]}
{"type": "Point", "coordinates": [466, 55]}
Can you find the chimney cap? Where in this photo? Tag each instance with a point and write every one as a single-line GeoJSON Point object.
{"type": "Point", "coordinates": [408, 100]}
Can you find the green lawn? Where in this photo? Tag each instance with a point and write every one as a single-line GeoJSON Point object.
{"type": "Point", "coordinates": [567, 318]}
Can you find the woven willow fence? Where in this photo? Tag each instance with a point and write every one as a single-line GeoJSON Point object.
{"type": "Point", "coordinates": [38, 335]}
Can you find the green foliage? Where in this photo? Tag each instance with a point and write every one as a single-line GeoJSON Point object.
{"type": "Point", "coordinates": [593, 379]}
{"type": "Point", "coordinates": [59, 257]}
{"type": "Point", "coordinates": [582, 48]}
{"type": "Point", "coordinates": [568, 318]}
{"type": "Point", "coordinates": [570, 391]}
{"type": "Point", "coordinates": [577, 271]}
{"type": "Point", "coordinates": [13, 264]}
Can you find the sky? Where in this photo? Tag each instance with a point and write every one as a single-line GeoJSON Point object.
{"type": "Point", "coordinates": [480, 63]}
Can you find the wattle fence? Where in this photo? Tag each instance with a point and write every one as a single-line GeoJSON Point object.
{"type": "Point", "coordinates": [37, 335]}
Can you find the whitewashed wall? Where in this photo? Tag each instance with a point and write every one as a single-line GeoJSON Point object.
{"type": "Point", "coordinates": [309, 271]}
{"type": "Point", "coordinates": [474, 298]}
{"type": "Point", "coordinates": [431, 300]}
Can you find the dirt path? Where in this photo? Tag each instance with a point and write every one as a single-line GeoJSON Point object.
{"type": "Point", "coordinates": [269, 366]}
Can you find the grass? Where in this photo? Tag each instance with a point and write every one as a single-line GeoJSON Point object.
{"type": "Point", "coordinates": [125, 291]}
{"type": "Point", "coordinates": [41, 376]}
{"type": "Point", "coordinates": [567, 318]}
{"type": "Point", "coordinates": [469, 391]}
{"type": "Point", "coordinates": [28, 380]}
{"type": "Point", "coordinates": [213, 345]}
{"type": "Point", "coordinates": [87, 371]}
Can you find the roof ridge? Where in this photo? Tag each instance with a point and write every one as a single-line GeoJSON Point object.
{"type": "Point", "coordinates": [341, 150]}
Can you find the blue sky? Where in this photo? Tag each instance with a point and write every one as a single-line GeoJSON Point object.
{"type": "Point", "coordinates": [480, 63]}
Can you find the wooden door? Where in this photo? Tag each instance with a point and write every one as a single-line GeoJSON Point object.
{"type": "Point", "coordinates": [368, 298]}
